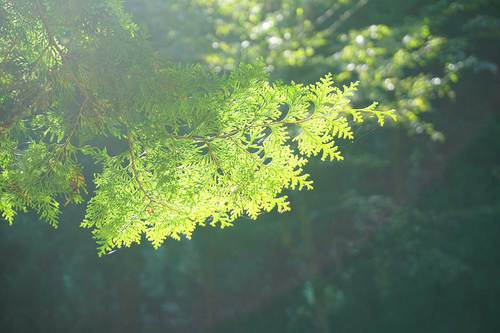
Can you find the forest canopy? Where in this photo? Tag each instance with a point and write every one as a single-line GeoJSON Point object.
{"type": "Point", "coordinates": [168, 146]}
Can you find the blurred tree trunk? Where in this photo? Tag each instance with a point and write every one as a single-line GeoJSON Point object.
{"type": "Point", "coordinates": [208, 284]}
{"type": "Point", "coordinates": [399, 171]}
{"type": "Point", "coordinates": [310, 257]}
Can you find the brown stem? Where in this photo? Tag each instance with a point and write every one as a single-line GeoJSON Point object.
{"type": "Point", "coordinates": [135, 174]}
{"type": "Point", "coordinates": [252, 156]}
{"type": "Point", "coordinates": [65, 61]}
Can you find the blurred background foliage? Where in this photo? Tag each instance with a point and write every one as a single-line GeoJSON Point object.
{"type": "Point", "coordinates": [399, 237]}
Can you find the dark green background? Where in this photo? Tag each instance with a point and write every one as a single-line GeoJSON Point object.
{"type": "Point", "coordinates": [402, 236]}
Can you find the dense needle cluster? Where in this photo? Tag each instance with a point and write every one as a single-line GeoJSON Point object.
{"type": "Point", "coordinates": [172, 147]}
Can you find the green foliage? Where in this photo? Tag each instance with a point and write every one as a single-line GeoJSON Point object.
{"type": "Point", "coordinates": [402, 236]}
{"type": "Point", "coordinates": [194, 146]}
{"type": "Point", "coordinates": [405, 66]}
